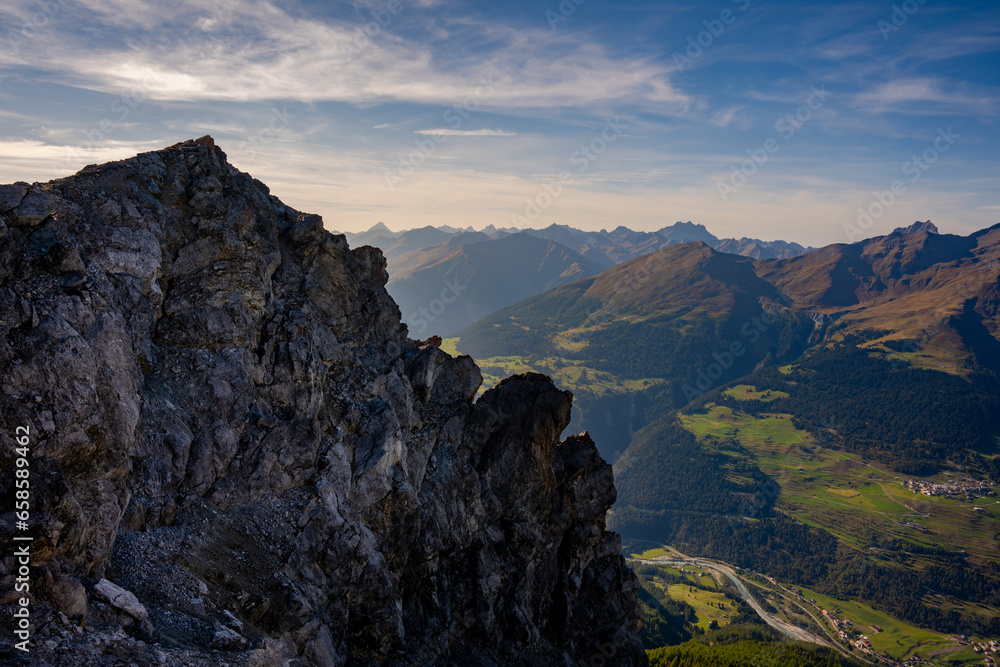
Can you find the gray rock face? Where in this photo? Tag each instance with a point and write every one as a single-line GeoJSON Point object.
{"type": "Point", "coordinates": [229, 423]}
{"type": "Point", "coordinates": [225, 639]}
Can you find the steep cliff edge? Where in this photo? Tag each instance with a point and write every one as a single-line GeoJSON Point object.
{"type": "Point", "coordinates": [238, 456]}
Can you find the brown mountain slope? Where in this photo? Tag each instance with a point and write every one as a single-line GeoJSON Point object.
{"type": "Point", "coordinates": [681, 279]}
{"type": "Point", "coordinates": [935, 295]}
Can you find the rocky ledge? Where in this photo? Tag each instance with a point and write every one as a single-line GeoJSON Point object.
{"type": "Point", "coordinates": [236, 455]}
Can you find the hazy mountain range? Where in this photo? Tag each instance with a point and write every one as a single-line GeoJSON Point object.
{"type": "Point", "coordinates": [445, 278]}
{"type": "Point", "coordinates": [446, 287]}
{"type": "Point", "coordinates": [605, 247]}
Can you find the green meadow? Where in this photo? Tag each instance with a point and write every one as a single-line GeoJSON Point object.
{"type": "Point", "coordinates": [705, 603]}
{"type": "Point", "coordinates": [567, 373]}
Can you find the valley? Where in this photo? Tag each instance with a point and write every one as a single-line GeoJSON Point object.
{"type": "Point", "coordinates": [806, 419]}
{"type": "Point", "coordinates": [853, 629]}
{"type": "Point", "coordinates": [851, 497]}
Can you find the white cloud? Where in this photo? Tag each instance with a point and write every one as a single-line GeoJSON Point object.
{"type": "Point", "coordinates": [257, 51]}
{"type": "Point", "coordinates": [902, 95]}
{"type": "Point", "coordinates": [728, 116]}
{"type": "Point", "coordinates": [35, 160]}
{"type": "Point", "coordinates": [467, 133]}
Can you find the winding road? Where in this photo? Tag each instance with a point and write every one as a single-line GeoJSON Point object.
{"type": "Point", "coordinates": [786, 628]}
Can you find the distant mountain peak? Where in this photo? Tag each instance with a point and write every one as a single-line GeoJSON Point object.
{"type": "Point", "coordinates": [380, 228]}
{"type": "Point", "coordinates": [687, 231]}
{"type": "Point", "coordinates": [917, 227]}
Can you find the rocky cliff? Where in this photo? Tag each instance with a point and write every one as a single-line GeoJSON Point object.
{"type": "Point", "coordinates": [237, 456]}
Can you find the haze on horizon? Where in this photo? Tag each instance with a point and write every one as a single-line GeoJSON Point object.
{"type": "Point", "coordinates": [770, 120]}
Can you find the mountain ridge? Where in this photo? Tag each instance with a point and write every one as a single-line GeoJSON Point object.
{"type": "Point", "coordinates": [617, 244]}
{"type": "Point", "coordinates": [440, 289]}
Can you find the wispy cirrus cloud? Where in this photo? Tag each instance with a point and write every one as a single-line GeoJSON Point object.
{"type": "Point", "coordinates": [925, 96]}
{"type": "Point", "coordinates": [258, 51]}
{"type": "Point", "coordinates": [35, 160]}
{"type": "Point", "coordinates": [447, 132]}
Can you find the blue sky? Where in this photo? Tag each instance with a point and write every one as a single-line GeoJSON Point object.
{"type": "Point", "coordinates": [763, 119]}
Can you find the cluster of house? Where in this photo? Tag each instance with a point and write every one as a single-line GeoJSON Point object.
{"type": "Point", "coordinates": [849, 634]}
{"type": "Point", "coordinates": [697, 573]}
{"type": "Point", "coordinates": [840, 624]}
{"type": "Point", "coordinates": [988, 649]}
{"type": "Point", "coordinates": [965, 490]}
{"type": "Point", "coordinates": [863, 644]}
{"type": "Point", "coordinates": [845, 626]}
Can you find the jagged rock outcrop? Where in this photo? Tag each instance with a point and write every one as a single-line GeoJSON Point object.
{"type": "Point", "coordinates": [231, 432]}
